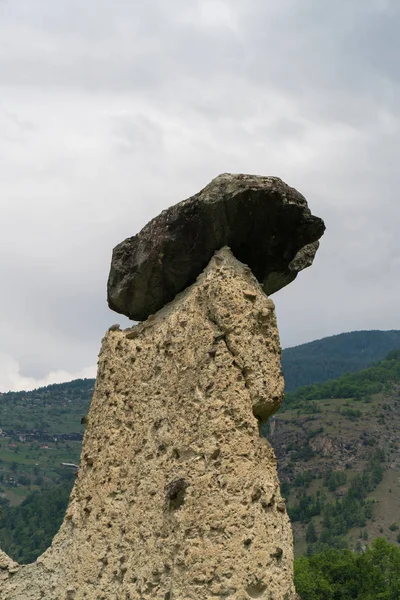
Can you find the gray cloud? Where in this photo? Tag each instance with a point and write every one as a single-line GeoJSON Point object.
{"type": "Point", "coordinates": [110, 112]}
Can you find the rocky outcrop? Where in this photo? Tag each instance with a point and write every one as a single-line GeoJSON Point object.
{"type": "Point", "coordinates": [177, 495]}
{"type": "Point", "coordinates": [267, 224]}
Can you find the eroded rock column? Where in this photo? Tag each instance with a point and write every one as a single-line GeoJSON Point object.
{"type": "Point", "coordinates": [177, 495]}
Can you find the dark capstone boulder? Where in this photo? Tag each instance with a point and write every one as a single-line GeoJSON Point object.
{"type": "Point", "coordinates": [266, 223]}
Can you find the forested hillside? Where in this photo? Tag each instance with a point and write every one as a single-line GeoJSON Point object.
{"type": "Point", "coordinates": [52, 409]}
{"type": "Point", "coordinates": [39, 430]}
{"type": "Point", "coordinates": [333, 356]}
{"type": "Point", "coordinates": [27, 530]}
{"type": "Point", "coordinates": [337, 444]}
{"type": "Point", "coordinates": [338, 450]}
{"type": "Point", "coordinates": [353, 385]}
{"type": "Point", "coordinates": [343, 575]}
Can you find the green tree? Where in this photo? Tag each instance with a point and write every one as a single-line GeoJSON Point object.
{"type": "Point", "coordinates": [311, 534]}
{"type": "Point", "coordinates": [344, 575]}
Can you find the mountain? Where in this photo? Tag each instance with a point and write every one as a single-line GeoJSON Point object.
{"type": "Point", "coordinates": [333, 356]}
{"type": "Point", "coordinates": [27, 530]}
{"type": "Point", "coordinates": [338, 451]}
{"type": "Point", "coordinates": [53, 409]}
{"type": "Point", "coordinates": [337, 444]}
{"type": "Point", "coordinates": [39, 430]}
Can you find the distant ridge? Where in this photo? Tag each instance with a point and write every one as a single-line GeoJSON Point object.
{"type": "Point", "coordinates": [352, 418]}
{"type": "Point", "coordinates": [331, 357]}
{"type": "Point", "coordinates": [314, 362]}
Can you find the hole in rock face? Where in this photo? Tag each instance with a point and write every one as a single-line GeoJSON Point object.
{"type": "Point", "coordinates": [278, 553]}
{"type": "Point", "coordinates": [175, 493]}
{"type": "Point", "coordinates": [263, 411]}
{"type": "Point", "coordinates": [256, 590]}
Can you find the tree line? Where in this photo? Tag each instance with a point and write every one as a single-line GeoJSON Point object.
{"type": "Point", "coordinates": [372, 574]}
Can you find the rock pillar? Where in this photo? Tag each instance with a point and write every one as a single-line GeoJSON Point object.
{"type": "Point", "coordinates": [177, 495]}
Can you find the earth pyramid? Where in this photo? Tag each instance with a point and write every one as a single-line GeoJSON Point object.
{"type": "Point", "coordinates": [177, 495]}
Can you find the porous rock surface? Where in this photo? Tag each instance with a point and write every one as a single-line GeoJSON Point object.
{"type": "Point", "coordinates": [267, 224]}
{"type": "Point", "coordinates": [177, 495]}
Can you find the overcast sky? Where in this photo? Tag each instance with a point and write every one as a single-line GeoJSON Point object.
{"type": "Point", "coordinates": [111, 111]}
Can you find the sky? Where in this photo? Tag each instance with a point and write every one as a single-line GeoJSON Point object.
{"type": "Point", "coordinates": [111, 111]}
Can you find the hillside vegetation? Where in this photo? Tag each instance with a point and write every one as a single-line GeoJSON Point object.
{"type": "Point", "coordinates": [27, 530]}
{"type": "Point", "coordinates": [39, 430]}
{"type": "Point", "coordinates": [337, 444]}
{"type": "Point", "coordinates": [331, 357]}
{"type": "Point", "coordinates": [369, 381]}
{"type": "Point", "coordinates": [338, 450]}
{"type": "Point", "coordinates": [343, 575]}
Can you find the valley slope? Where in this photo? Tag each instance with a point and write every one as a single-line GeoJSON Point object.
{"type": "Point", "coordinates": [331, 357]}
{"type": "Point", "coordinates": [337, 444]}
{"type": "Point", "coordinates": [338, 451]}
